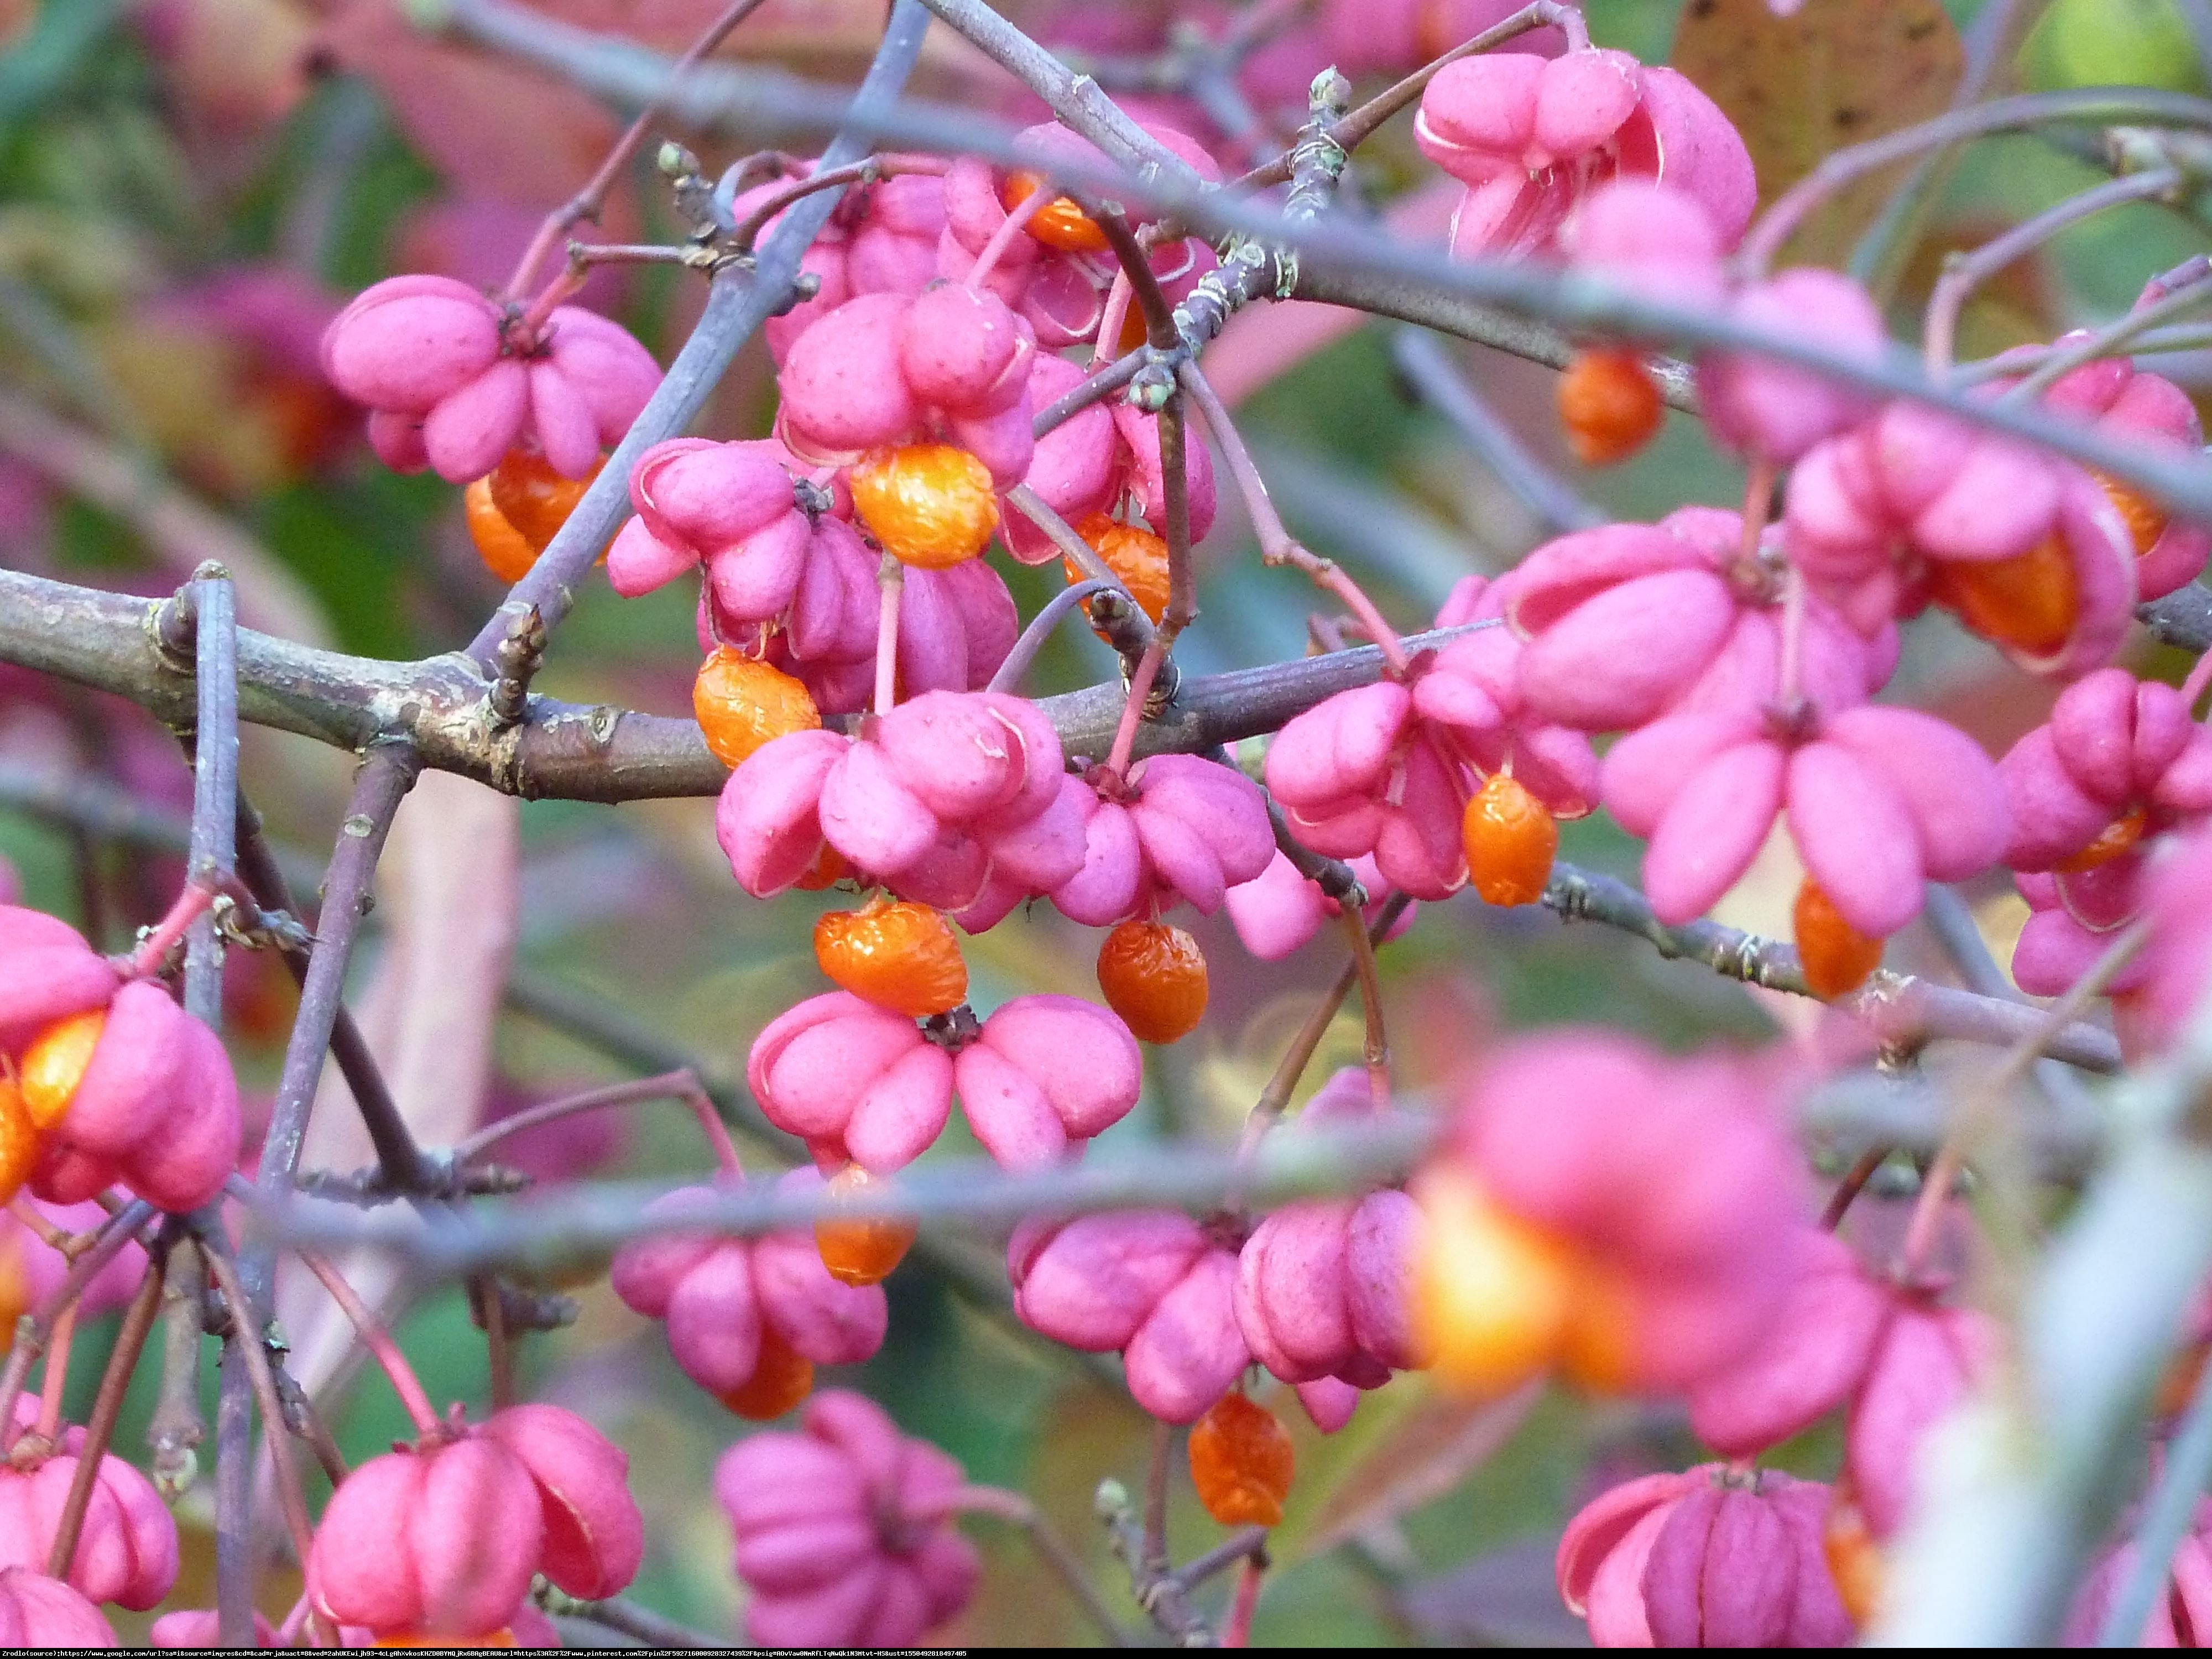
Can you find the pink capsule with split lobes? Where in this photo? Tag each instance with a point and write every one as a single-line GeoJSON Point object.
{"type": "Point", "coordinates": [1704, 1559]}
{"type": "Point", "coordinates": [593, 1538]}
{"type": "Point", "coordinates": [39, 1612]}
{"type": "Point", "coordinates": [1650, 238]}
{"type": "Point", "coordinates": [844, 1535]}
{"type": "Point", "coordinates": [1151, 1283]}
{"type": "Point", "coordinates": [1776, 412]}
{"type": "Point", "coordinates": [1047, 1074]}
{"type": "Point", "coordinates": [126, 1550]}
{"type": "Point", "coordinates": [729, 506]}
{"type": "Point", "coordinates": [47, 973]}
{"type": "Point", "coordinates": [1278, 910]}
{"type": "Point", "coordinates": [1926, 1361]}
{"type": "Point", "coordinates": [1187, 830]}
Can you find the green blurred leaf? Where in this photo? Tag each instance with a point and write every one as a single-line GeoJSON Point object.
{"type": "Point", "coordinates": [57, 46]}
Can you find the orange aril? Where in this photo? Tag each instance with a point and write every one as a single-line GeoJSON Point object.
{"type": "Point", "coordinates": [861, 1252]}
{"type": "Point", "coordinates": [16, 1288]}
{"type": "Point", "coordinates": [1133, 553]}
{"type": "Point", "coordinates": [1154, 976]}
{"type": "Point", "coordinates": [1836, 956]}
{"type": "Point", "coordinates": [1494, 1295]}
{"type": "Point", "coordinates": [1609, 406]}
{"type": "Point", "coordinates": [1598, 1350]}
{"type": "Point", "coordinates": [2114, 839]}
{"type": "Point", "coordinates": [898, 956]}
{"type": "Point", "coordinates": [742, 704]}
{"type": "Point", "coordinates": [828, 869]}
{"type": "Point", "coordinates": [2030, 602]}
{"type": "Point", "coordinates": [498, 543]}
{"type": "Point", "coordinates": [1510, 841]}
{"type": "Point", "coordinates": [55, 1064]}
{"type": "Point", "coordinates": [18, 1145]}
{"type": "Point", "coordinates": [783, 1377]}
{"type": "Point", "coordinates": [1240, 1462]}
{"type": "Point", "coordinates": [2145, 519]}
{"type": "Point", "coordinates": [1854, 1559]}
{"type": "Point", "coordinates": [534, 498]}
{"type": "Point", "coordinates": [1058, 223]}
{"type": "Point", "coordinates": [928, 505]}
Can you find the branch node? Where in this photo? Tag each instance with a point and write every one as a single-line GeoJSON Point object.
{"type": "Point", "coordinates": [517, 659]}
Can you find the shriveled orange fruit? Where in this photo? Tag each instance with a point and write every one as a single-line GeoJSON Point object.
{"type": "Point", "coordinates": [502, 547]}
{"type": "Point", "coordinates": [2145, 519]}
{"type": "Point", "coordinates": [742, 704]}
{"type": "Point", "coordinates": [55, 1064]}
{"type": "Point", "coordinates": [861, 1252]}
{"type": "Point", "coordinates": [1609, 406]}
{"type": "Point", "coordinates": [898, 956]}
{"type": "Point", "coordinates": [1154, 976]}
{"type": "Point", "coordinates": [1494, 1295]}
{"type": "Point", "coordinates": [928, 505]}
{"type": "Point", "coordinates": [1058, 223]}
{"type": "Point", "coordinates": [19, 1155]}
{"type": "Point", "coordinates": [1510, 839]}
{"type": "Point", "coordinates": [1132, 552]}
{"type": "Point", "coordinates": [534, 498]}
{"type": "Point", "coordinates": [1240, 1462]}
{"type": "Point", "coordinates": [2114, 839]}
{"type": "Point", "coordinates": [781, 1379]}
{"type": "Point", "coordinates": [2030, 602]}
{"type": "Point", "coordinates": [1836, 957]}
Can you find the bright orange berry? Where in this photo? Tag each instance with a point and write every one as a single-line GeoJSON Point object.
{"type": "Point", "coordinates": [498, 543]}
{"type": "Point", "coordinates": [742, 704]}
{"type": "Point", "coordinates": [1836, 957]}
{"type": "Point", "coordinates": [534, 498]}
{"type": "Point", "coordinates": [2145, 519]}
{"type": "Point", "coordinates": [898, 956]}
{"type": "Point", "coordinates": [783, 1377]}
{"type": "Point", "coordinates": [1058, 223]}
{"type": "Point", "coordinates": [1240, 1462]}
{"type": "Point", "coordinates": [1854, 1559]}
{"type": "Point", "coordinates": [1132, 552]}
{"type": "Point", "coordinates": [1494, 1295]}
{"type": "Point", "coordinates": [929, 505]}
{"type": "Point", "coordinates": [861, 1252]}
{"type": "Point", "coordinates": [19, 1154]}
{"type": "Point", "coordinates": [55, 1064]}
{"type": "Point", "coordinates": [1510, 839]}
{"type": "Point", "coordinates": [828, 869]}
{"type": "Point", "coordinates": [2114, 839]}
{"type": "Point", "coordinates": [1154, 976]}
{"type": "Point", "coordinates": [1608, 405]}
{"type": "Point", "coordinates": [2030, 603]}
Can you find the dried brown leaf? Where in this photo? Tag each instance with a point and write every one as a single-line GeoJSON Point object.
{"type": "Point", "coordinates": [1836, 73]}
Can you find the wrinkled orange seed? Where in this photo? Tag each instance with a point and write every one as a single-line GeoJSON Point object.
{"type": "Point", "coordinates": [55, 1064]}
{"type": "Point", "coordinates": [928, 505]}
{"type": "Point", "coordinates": [1058, 223]}
{"type": "Point", "coordinates": [18, 1151]}
{"type": "Point", "coordinates": [1133, 553]}
{"type": "Point", "coordinates": [742, 704]}
{"type": "Point", "coordinates": [1240, 1462]}
{"type": "Point", "coordinates": [898, 956]}
{"type": "Point", "coordinates": [1510, 839]}
{"type": "Point", "coordinates": [1154, 976]}
{"type": "Point", "coordinates": [2145, 519]}
{"type": "Point", "coordinates": [861, 1252]}
{"type": "Point", "coordinates": [779, 1381]}
{"type": "Point", "coordinates": [1608, 405]}
{"type": "Point", "coordinates": [498, 543]}
{"type": "Point", "coordinates": [2030, 603]}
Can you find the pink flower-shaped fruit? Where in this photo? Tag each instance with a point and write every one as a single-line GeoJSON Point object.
{"type": "Point", "coordinates": [1758, 406]}
{"type": "Point", "coordinates": [881, 239]}
{"type": "Point", "coordinates": [1149, 1283]}
{"type": "Point", "coordinates": [2119, 760]}
{"type": "Point", "coordinates": [202, 1627]}
{"type": "Point", "coordinates": [1881, 801]}
{"type": "Point", "coordinates": [39, 1612]}
{"type": "Point", "coordinates": [727, 505]}
{"type": "Point", "coordinates": [2145, 408]}
{"type": "Point", "coordinates": [38, 1267]}
{"type": "Point", "coordinates": [1924, 1363]}
{"type": "Point", "coordinates": [842, 1533]}
{"type": "Point", "coordinates": [451, 386]}
{"type": "Point", "coordinates": [1045, 1074]}
{"type": "Point", "coordinates": [126, 1550]}
{"type": "Point", "coordinates": [1651, 238]}
{"type": "Point", "coordinates": [721, 1296]}
{"type": "Point", "coordinates": [1473, 690]}
{"type": "Point", "coordinates": [1359, 773]}
{"type": "Point", "coordinates": [2182, 1618]}
{"type": "Point", "coordinates": [441, 1541]}
{"type": "Point", "coordinates": [1190, 830]}
{"type": "Point", "coordinates": [1323, 1289]}
{"type": "Point", "coordinates": [1704, 1559]}
{"type": "Point", "coordinates": [2177, 960]}
{"type": "Point", "coordinates": [1090, 462]}
{"type": "Point", "coordinates": [1563, 1129]}
{"type": "Point", "coordinates": [594, 1538]}
{"type": "Point", "coordinates": [1278, 910]}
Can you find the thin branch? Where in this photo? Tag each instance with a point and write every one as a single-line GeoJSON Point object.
{"type": "Point", "coordinates": [214, 779]}
{"type": "Point", "coordinates": [1017, 660]}
{"type": "Point", "coordinates": [106, 1406]}
{"type": "Point", "coordinates": [245, 1340]}
{"type": "Point", "coordinates": [35, 1329]}
{"type": "Point", "coordinates": [681, 1083]}
{"type": "Point", "coordinates": [626, 1618]}
{"type": "Point", "coordinates": [177, 1428]}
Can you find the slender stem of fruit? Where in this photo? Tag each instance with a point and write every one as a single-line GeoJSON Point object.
{"type": "Point", "coordinates": [106, 1406]}
{"type": "Point", "coordinates": [1237, 1633]}
{"type": "Point", "coordinates": [57, 1379]}
{"type": "Point", "coordinates": [378, 1342]}
{"type": "Point", "coordinates": [161, 938]}
{"type": "Point", "coordinates": [1108, 337]}
{"type": "Point", "coordinates": [1377, 1050]}
{"type": "Point", "coordinates": [1141, 691]}
{"type": "Point", "coordinates": [1002, 238]}
{"type": "Point", "coordinates": [891, 578]}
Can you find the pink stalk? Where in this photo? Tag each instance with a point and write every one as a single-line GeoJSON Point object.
{"type": "Point", "coordinates": [377, 1340]}
{"type": "Point", "coordinates": [1109, 325]}
{"type": "Point", "coordinates": [189, 905]}
{"type": "Point", "coordinates": [1003, 237]}
{"type": "Point", "coordinates": [1140, 689]}
{"type": "Point", "coordinates": [2200, 676]}
{"type": "Point", "coordinates": [57, 1378]}
{"type": "Point", "coordinates": [1237, 1633]}
{"type": "Point", "coordinates": [890, 579]}
{"type": "Point", "coordinates": [558, 292]}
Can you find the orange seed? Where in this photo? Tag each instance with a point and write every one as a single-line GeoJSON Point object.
{"type": "Point", "coordinates": [534, 498]}
{"type": "Point", "coordinates": [861, 1252]}
{"type": "Point", "coordinates": [1154, 976]}
{"type": "Point", "coordinates": [1058, 223]}
{"type": "Point", "coordinates": [2030, 602]}
{"type": "Point", "coordinates": [898, 956]}
{"type": "Point", "coordinates": [55, 1064]}
{"type": "Point", "coordinates": [742, 704]}
{"type": "Point", "coordinates": [1494, 1295]}
{"type": "Point", "coordinates": [502, 547]}
{"type": "Point", "coordinates": [1510, 841]}
{"type": "Point", "coordinates": [928, 505]}
{"type": "Point", "coordinates": [781, 1379]}
{"type": "Point", "coordinates": [1240, 1462]}
{"type": "Point", "coordinates": [2145, 520]}
{"type": "Point", "coordinates": [2114, 839]}
{"type": "Point", "coordinates": [19, 1154]}
{"type": "Point", "coordinates": [1132, 552]}
{"type": "Point", "coordinates": [1854, 1559]}
{"type": "Point", "coordinates": [1608, 405]}
{"type": "Point", "coordinates": [1836, 957]}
